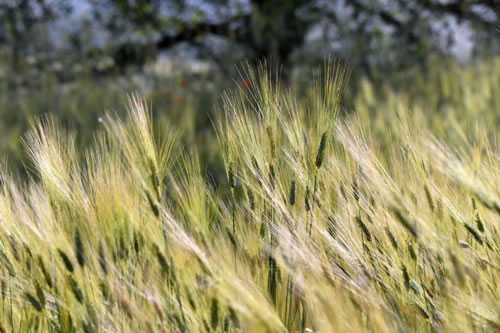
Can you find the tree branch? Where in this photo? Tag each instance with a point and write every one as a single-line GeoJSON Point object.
{"type": "Point", "coordinates": [190, 33]}
{"type": "Point", "coordinates": [461, 11]}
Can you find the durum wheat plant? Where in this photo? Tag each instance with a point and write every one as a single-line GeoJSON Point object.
{"type": "Point", "coordinates": [326, 221]}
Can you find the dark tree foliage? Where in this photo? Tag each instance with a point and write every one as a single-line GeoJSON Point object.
{"type": "Point", "coordinates": [275, 29]}
{"type": "Point", "coordinates": [365, 31]}
{"type": "Point", "coordinates": [20, 19]}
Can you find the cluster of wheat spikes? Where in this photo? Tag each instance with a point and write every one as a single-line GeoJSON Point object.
{"type": "Point", "coordinates": [318, 227]}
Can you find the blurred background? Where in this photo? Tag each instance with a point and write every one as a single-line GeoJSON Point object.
{"type": "Point", "coordinates": [78, 59]}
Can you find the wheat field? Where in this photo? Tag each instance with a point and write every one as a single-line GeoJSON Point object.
{"type": "Point", "coordinates": [381, 219]}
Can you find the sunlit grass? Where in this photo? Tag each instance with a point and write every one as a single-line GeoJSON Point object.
{"type": "Point", "coordinates": [381, 219]}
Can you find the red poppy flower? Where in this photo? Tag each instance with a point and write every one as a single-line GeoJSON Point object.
{"type": "Point", "coordinates": [246, 83]}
